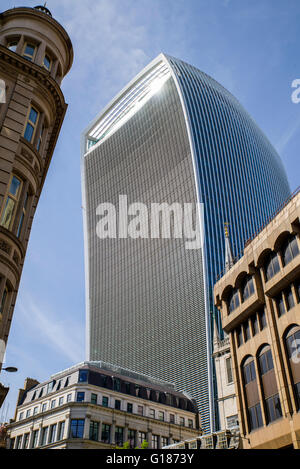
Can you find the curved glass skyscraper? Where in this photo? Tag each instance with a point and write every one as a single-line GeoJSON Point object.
{"type": "Point", "coordinates": [173, 135]}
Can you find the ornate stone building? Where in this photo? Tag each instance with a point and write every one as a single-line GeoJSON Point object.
{"type": "Point", "coordinates": [35, 54]}
{"type": "Point", "coordinates": [259, 299]}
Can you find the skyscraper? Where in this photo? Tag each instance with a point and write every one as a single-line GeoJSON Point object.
{"type": "Point", "coordinates": [35, 54]}
{"type": "Point", "coordinates": [173, 135]}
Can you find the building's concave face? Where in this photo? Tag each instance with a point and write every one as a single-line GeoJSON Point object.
{"type": "Point", "coordinates": [174, 135]}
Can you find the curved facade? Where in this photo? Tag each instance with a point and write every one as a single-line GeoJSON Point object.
{"type": "Point", "coordinates": [172, 135]}
{"type": "Point", "coordinates": [35, 54]}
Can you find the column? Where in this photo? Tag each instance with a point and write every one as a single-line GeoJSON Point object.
{"type": "Point", "coordinates": [86, 432]}
{"type": "Point", "coordinates": [112, 434]}
{"type": "Point", "coordinates": [149, 438]}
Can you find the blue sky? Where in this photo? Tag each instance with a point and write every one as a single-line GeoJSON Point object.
{"type": "Point", "coordinates": [249, 46]}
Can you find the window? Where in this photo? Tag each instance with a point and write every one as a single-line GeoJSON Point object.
{"type": "Point", "coordinates": [11, 202]}
{"type": "Point", "coordinates": [232, 421]}
{"type": "Point", "coordinates": [289, 250]}
{"type": "Point", "coordinates": [181, 421]}
{"type": "Point", "coordinates": [266, 362]}
{"type": "Point", "coordinates": [39, 142]}
{"type": "Point", "coordinates": [246, 330]}
{"type": "Point", "coordinates": [129, 407]}
{"type": "Point", "coordinates": [12, 46]}
{"type": "Point", "coordinates": [19, 442]}
{"type": "Point", "coordinates": [229, 370]}
{"type": "Point", "coordinates": [273, 408]}
{"type": "Point", "coordinates": [35, 410]}
{"type": "Point", "coordinates": [152, 413]}
{"type": "Point", "coordinates": [172, 418]}
{"type": "Point", "coordinates": [105, 401]}
{"type": "Point", "coordinates": [155, 439]}
{"type": "Point", "coordinates": [117, 404]}
{"type": "Point", "coordinates": [255, 325]}
{"type": "Point", "coordinates": [53, 404]}
{"type": "Point", "coordinates": [247, 288]}
{"type": "Point", "coordinates": [67, 382]}
{"type": "Point", "coordinates": [77, 427]}
{"type": "Point", "coordinates": [29, 51]}
{"type": "Point", "coordinates": [61, 401]}
{"type": "Point", "coordinates": [280, 305]}
{"type": "Point", "coordinates": [50, 386]}
{"type": "Point", "coordinates": [255, 417]}
{"type": "Point", "coordinates": [190, 423]}
{"type": "Point", "coordinates": [44, 436]}
{"type": "Point", "coordinates": [58, 385]}
{"type": "Point", "coordinates": [105, 437]}
{"type": "Point", "coordinates": [240, 337]}
{"type": "Point", "coordinates": [289, 298]}
{"type": "Point", "coordinates": [21, 415]}
{"type": "Point", "coordinates": [44, 407]}
{"type": "Point", "coordinates": [69, 397]}
{"type": "Point", "coordinates": [262, 319]}
{"type": "Point", "coordinates": [52, 434]}
{"type": "Point", "coordinates": [117, 384]}
{"type": "Point", "coordinates": [249, 371]}
{"type": "Point", "coordinates": [93, 398]}
{"type": "Point", "coordinates": [26, 441]}
{"type": "Point", "coordinates": [61, 430]}
{"type": "Point", "coordinates": [161, 416]}
{"type": "Point", "coordinates": [23, 214]}
{"type": "Point", "coordinates": [140, 410]}
{"type": "Point", "coordinates": [47, 62]}
{"type": "Point", "coordinates": [83, 376]}
{"type": "Point", "coordinates": [141, 437]}
{"type": "Point", "coordinates": [35, 438]}
{"type": "Point", "coordinates": [233, 301]}
{"type": "Point", "coordinates": [3, 300]}
{"type": "Point", "coordinates": [119, 436]}
{"type": "Point", "coordinates": [94, 431]}
{"type": "Point", "coordinates": [80, 396]}
{"type": "Point", "coordinates": [164, 441]}
{"type": "Point", "coordinates": [131, 438]}
{"type": "Point", "coordinates": [28, 412]}
{"type": "Point", "coordinates": [272, 266]}
{"type": "Point", "coordinates": [31, 125]}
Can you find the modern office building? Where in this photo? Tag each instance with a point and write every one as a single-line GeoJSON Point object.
{"type": "Point", "coordinates": [173, 135]}
{"type": "Point", "coordinates": [94, 405]}
{"type": "Point", "coordinates": [259, 299]}
{"type": "Point", "coordinates": [35, 54]}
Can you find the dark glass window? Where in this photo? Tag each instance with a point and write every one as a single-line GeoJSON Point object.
{"type": "Point", "coordinates": [272, 266]}
{"type": "Point", "coordinates": [44, 436]}
{"type": "Point", "coordinates": [31, 125]}
{"type": "Point", "coordinates": [289, 298]}
{"type": "Point", "coordinates": [129, 407]}
{"type": "Point", "coordinates": [280, 305]}
{"type": "Point", "coordinates": [61, 430]}
{"type": "Point", "coordinates": [240, 337]}
{"type": "Point", "coordinates": [233, 301]}
{"type": "Point", "coordinates": [266, 362]}
{"type": "Point", "coordinates": [77, 427]}
{"type": "Point", "coordinates": [247, 330]}
{"type": "Point", "coordinates": [247, 288]}
{"type": "Point", "coordinates": [94, 431]}
{"type": "Point", "coordinates": [117, 384]}
{"type": "Point", "coordinates": [80, 396]}
{"type": "Point", "coordinates": [262, 319]}
{"type": "Point", "coordinates": [255, 325]}
{"type": "Point", "coordinates": [289, 250]}
{"type": "Point", "coordinates": [249, 372]}
{"type": "Point", "coordinates": [47, 62]}
{"type": "Point", "coordinates": [119, 436]}
{"type": "Point", "coordinates": [83, 376]}
{"type": "Point", "coordinates": [105, 401]}
{"type": "Point", "coordinates": [29, 52]}
{"type": "Point", "coordinates": [105, 437]}
{"type": "Point", "coordinates": [93, 398]}
{"type": "Point", "coordinates": [255, 417]}
{"type": "Point", "coordinates": [117, 404]}
{"type": "Point", "coordinates": [273, 408]}
{"type": "Point", "coordinates": [131, 438]}
{"type": "Point", "coordinates": [52, 436]}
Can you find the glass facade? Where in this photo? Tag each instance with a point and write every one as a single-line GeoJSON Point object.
{"type": "Point", "coordinates": [149, 301]}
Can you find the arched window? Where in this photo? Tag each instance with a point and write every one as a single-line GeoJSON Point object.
{"type": "Point", "coordinates": [292, 342]}
{"type": "Point", "coordinates": [247, 287]}
{"type": "Point", "coordinates": [233, 300]}
{"type": "Point", "coordinates": [289, 250]}
{"type": "Point", "coordinates": [251, 394]}
{"type": "Point", "coordinates": [271, 266]}
{"type": "Point", "coordinates": [269, 384]}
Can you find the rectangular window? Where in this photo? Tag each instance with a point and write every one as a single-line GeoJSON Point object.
{"type": "Point", "coordinates": [26, 441]}
{"type": "Point", "coordinates": [273, 408]}
{"type": "Point", "coordinates": [19, 442]}
{"type": "Point", "coordinates": [119, 436]}
{"type": "Point", "coordinates": [181, 421]}
{"type": "Point", "coordinates": [3, 300]}
{"type": "Point", "coordinates": [44, 436]}
{"type": "Point", "coordinates": [94, 431]}
{"type": "Point", "coordinates": [69, 397]}
{"type": "Point", "coordinates": [31, 125]}
{"type": "Point", "coordinates": [11, 202]}
{"type": "Point", "coordinates": [131, 438]}
{"type": "Point", "coordinates": [141, 437]}
{"type": "Point", "coordinates": [77, 427]}
{"type": "Point", "coordinates": [255, 325]}
{"type": "Point", "coordinates": [155, 439]}
{"type": "Point", "coordinates": [152, 413]}
{"type": "Point", "coordinates": [52, 436]}
{"type": "Point", "coordinates": [53, 404]}
{"type": "Point", "coordinates": [117, 404]}
{"type": "Point", "coordinates": [161, 416]}
{"type": "Point", "coordinates": [105, 401]}
{"type": "Point", "coordinates": [140, 410]}
{"type": "Point", "coordinates": [35, 410]}
{"type": "Point", "coordinates": [93, 398]}
{"type": "Point", "coordinates": [190, 423]}
{"type": "Point", "coordinates": [129, 407]}
{"type": "Point", "coordinates": [246, 330]}
{"type": "Point", "coordinates": [105, 436]}
{"type": "Point", "coordinates": [229, 371]}
{"type": "Point", "coordinates": [262, 319]}
{"type": "Point", "coordinates": [280, 305]}
{"type": "Point", "coordinates": [80, 396]}
{"type": "Point", "coordinates": [61, 431]}
{"type": "Point", "coordinates": [35, 438]}
{"type": "Point", "coordinates": [28, 412]}
{"type": "Point", "coordinates": [255, 417]}
{"type": "Point", "coordinates": [47, 62]}
{"type": "Point", "coordinates": [61, 401]}
{"type": "Point", "coordinates": [172, 418]}
{"type": "Point", "coordinates": [29, 51]}
{"type": "Point", "coordinates": [164, 441]}
{"type": "Point", "coordinates": [83, 376]}
{"type": "Point", "coordinates": [23, 214]}
{"type": "Point", "coordinates": [240, 337]}
{"type": "Point", "coordinates": [289, 298]}
{"type": "Point", "coordinates": [44, 407]}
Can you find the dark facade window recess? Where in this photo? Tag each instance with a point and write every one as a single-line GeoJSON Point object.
{"type": "Point", "coordinates": [247, 288]}
{"type": "Point", "coordinates": [289, 250]}
{"type": "Point", "coordinates": [272, 266]}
